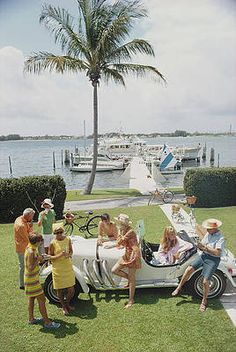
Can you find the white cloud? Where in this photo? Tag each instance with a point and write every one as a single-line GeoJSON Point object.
{"type": "Point", "coordinates": [195, 42]}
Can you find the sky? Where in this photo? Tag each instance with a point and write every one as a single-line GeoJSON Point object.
{"type": "Point", "coordinates": [195, 47]}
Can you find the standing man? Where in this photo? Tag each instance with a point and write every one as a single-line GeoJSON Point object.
{"type": "Point", "coordinates": [23, 226]}
{"type": "Point", "coordinates": [46, 218]}
{"type": "Point", "coordinates": [211, 245]}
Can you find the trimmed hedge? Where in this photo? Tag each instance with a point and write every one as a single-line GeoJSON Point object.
{"type": "Point", "coordinates": [214, 187]}
{"type": "Point", "coordinates": [16, 194]}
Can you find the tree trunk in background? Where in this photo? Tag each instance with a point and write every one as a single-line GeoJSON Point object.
{"type": "Point", "coordinates": [89, 186]}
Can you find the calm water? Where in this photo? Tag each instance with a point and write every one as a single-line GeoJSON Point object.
{"type": "Point", "coordinates": [35, 158]}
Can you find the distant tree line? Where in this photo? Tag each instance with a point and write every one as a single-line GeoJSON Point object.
{"type": "Point", "coordinates": [11, 137]}
{"type": "Point", "coordinates": [177, 133]}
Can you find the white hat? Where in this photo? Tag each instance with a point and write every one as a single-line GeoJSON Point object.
{"type": "Point", "coordinates": [57, 226]}
{"type": "Point", "coordinates": [123, 219]}
{"type": "Point", "coordinates": [47, 201]}
{"type": "Point", "coordinates": [210, 224]}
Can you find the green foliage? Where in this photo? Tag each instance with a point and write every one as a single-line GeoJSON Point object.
{"type": "Point", "coordinates": [214, 187]}
{"type": "Point", "coordinates": [16, 194]}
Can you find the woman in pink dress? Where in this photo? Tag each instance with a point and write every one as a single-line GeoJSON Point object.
{"type": "Point", "coordinates": [131, 259]}
{"type": "Point", "coordinates": [171, 247]}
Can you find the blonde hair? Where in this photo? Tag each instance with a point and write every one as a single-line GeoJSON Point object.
{"type": "Point", "coordinates": [168, 242]}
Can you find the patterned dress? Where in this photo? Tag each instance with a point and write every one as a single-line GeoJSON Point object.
{"type": "Point", "coordinates": [62, 271]}
{"type": "Point", "coordinates": [132, 256]}
{"type": "Point", "coordinates": [33, 287]}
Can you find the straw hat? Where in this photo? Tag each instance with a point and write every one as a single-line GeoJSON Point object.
{"type": "Point", "coordinates": [123, 219]}
{"type": "Point", "coordinates": [57, 226]}
{"type": "Point", "coordinates": [210, 224]}
{"type": "Point", "coordinates": [47, 201]}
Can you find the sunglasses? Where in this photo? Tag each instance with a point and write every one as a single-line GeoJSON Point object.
{"type": "Point", "coordinates": [58, 232]}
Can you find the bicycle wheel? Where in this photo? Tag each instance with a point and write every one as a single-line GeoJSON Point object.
{"type": "Point", "coordinates": [68, 229]}
{"type": "Point", "coordinates": [153, 200]}
{"type": "Point", "coordinates": [168, 196]}
{"type": "Point", "coordinates": [92, 225]}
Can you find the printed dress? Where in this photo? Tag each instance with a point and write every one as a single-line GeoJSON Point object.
{"type": "Point", "coordinates": [132, 256]}
{"type": "Point", "coordinates": [62, 272]}
{"type": "Point", "coordinates": [33, 287]}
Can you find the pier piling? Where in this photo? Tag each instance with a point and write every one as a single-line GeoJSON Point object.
{"type": "Point", "coordinates": [204, 152]}
{"type": "Point", "coordinates": [67, 157]}
{"type": "Point", "coordinates": [212, 155]}
{"type": "Point", "coordinates": [53, 160]}
{"type": "Point", "coordinates": [10, 166]}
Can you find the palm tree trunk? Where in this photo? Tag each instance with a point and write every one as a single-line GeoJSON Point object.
{"type": "Point", "coordinates": [89, 186]}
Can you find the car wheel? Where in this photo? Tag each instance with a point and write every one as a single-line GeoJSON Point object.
{"type": "Point", "coordinates": [50, 293]}
{"type": "Point", "coordinates": [217, 285]}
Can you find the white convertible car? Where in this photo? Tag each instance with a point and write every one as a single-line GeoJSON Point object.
{"type": "Point", "coordinates": [92, 266]}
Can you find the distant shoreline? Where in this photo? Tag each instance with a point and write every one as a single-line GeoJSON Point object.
{"type": "Point", "coordinates": [16, 137]}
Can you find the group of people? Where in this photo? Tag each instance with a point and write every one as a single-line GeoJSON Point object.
{"type": "Point", "coordinates": [33, 249]}
{"type": "Point", "coordinates": [170, 251]}
{"type": "Point", "coordinates": [54, 245]}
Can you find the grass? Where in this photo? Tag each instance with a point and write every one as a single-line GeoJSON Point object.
{"type": "Point", "coordinates": [156, 323]}
{"type": "Point", "coordinates": [72, 195]}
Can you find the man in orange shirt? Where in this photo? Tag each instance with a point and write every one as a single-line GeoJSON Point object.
{"type": "Point", "coordinates": [22, 229]}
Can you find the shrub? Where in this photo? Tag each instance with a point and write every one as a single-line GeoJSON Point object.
{"type": "Point", "coordinates": [16, 194]}
{"type": "Point", "coordinates": [214, 187]}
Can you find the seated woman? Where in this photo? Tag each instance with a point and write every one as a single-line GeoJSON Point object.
{"type": "Point", "coordinates": [107, 230]}
{"type": "Point", "coordinates": [171, 248]}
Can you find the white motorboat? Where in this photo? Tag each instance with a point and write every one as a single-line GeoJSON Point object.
{"type": "Point", "coordinates": [88, 167]}
{"type": "Point", "coordinates": [83, 163]}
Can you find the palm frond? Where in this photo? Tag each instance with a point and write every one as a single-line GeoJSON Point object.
{"type": "Point", "coordinates": [61, 25]}
{"type": "Point", "coordinates": [112, 74]}
{"type": "Point", "coordinates": [128, 50]}
{"type": "Point", "coordinates": [47, 61]}
{"type": "Point", "coordinates": [138, 70]}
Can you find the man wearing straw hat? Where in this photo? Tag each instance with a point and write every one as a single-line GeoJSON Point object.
{"type": "Point", "coordinates": [46, 219]}
{"type": "Point", "coordinates": [211, 245]}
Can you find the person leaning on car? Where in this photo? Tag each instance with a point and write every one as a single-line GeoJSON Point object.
{"type": "Point", "coordinates": [211, 245]}
{"type": "Point", "coordinates": [22, 228]}
{"type": "Point", "coordinates": [107, 230]}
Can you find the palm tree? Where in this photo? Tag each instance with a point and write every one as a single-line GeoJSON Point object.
{"type": "Point", "coordinates": [94, 43]}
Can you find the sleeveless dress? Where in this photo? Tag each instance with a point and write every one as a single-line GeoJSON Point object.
{"type": "Point", "coordinates": [132, 256]}
{"type": "Point", "coordinates": [33, 287]}
{"type": "Point", "coordinates": [62, 272]}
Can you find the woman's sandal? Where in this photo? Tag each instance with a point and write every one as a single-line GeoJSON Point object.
{"type": "Point", "coordinates": [202, 307]}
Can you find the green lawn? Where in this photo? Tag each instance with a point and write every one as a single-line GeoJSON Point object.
{"type": "Point", "coordinates": [156, 323]}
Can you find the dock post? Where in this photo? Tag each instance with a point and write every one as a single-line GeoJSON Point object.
{"type": "Point", "coordinates": [10, 166]}
{"type": "Point", "coordinates": [218, 160]}
{"type": "Point", "coordinates": [212, 155]}
{"type": "Point", "coordinates": [67, 157]}
{"type": "Point", "coordinates": [61, 157]}
{"type": "Point", "coordinates": [53, 160]}
{"type": "Point", "coordinates": [204, 152]}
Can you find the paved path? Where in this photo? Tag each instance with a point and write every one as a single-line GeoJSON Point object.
{"type": "Point", "coordinates": [228, 299]}
{"type": "Point", "coordinates": [112, 203]}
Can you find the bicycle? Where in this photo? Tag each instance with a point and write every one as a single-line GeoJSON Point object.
{"type": "Point", "coordinates": [162, 194]}
{"type": "Point", "coordinates": [89, 224]}
{"type": "Point", "coordinates": [191, 200]}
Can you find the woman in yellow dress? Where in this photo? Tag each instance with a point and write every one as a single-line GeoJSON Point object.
{"type": "Point", "coordinates": [33, 288]}
{"type": "Point", "coordinates": [60, 253]}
